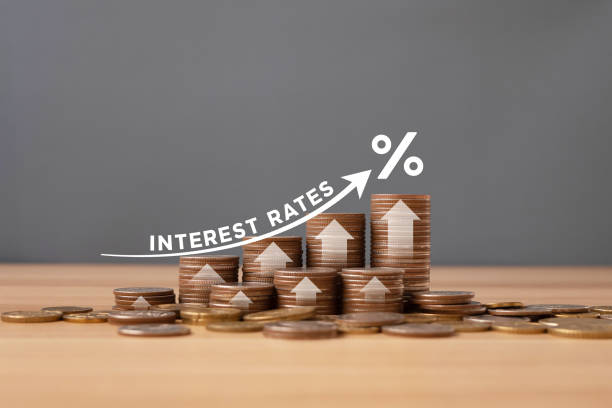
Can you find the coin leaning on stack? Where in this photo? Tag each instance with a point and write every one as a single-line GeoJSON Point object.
{"type": "Point", "coordinates": [401, 238]}
{"type": "Point", "coordinates": [142, 298]}
{"type": "Point", "coordinates": [261, 258]}
{"type": "Point", "coordinates": [249, 297]}
{"type": "Point", "coordinates": [372, 290]}
{"type": "Point", "coordinates": [318, 287]}
{"type": "Point", "coordinates": [198, 273]}
{"type": "Point", "coordinates": [336, 240]}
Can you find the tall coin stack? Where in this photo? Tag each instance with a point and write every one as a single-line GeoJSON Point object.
{"type": "Point", "coordinates": [372, 290]}
{"type": "Point", "coordinates": [142, 298]}
{"type": "Point", "coordinates": [249, 297]}
{"type": "Point", "coordinates": [317, 287]}
{"type": "Point", "coordinates": [336, 240]}
{"type": "Point", "coordinates": [401, 238]}
{"type": "Point", "coordinates": [262, 258]}
{"type": "Point", "coordinates": [198, 273]}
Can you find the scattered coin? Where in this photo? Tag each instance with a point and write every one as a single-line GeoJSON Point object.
{"type": "Point", "coordinates": [601, 309]}
{"type": "Point", "coordinates": [67, 309]}
{"type": "Point", "coordinates": [419, 318]}
{"type": "Point", "coordinates": [368, 319]}
{"type": "Point", "coordinates": [154, 330]}
{"type": "Point", "coordinates": [143, 291]}
{"type": "Point", "coordinates": [275, 315]}
{"type": "Point", "coordinates": [169, 307]}
{"type": "Point", "coordinates": [132, 317]}
{"type": "Point", "coordinates": [91, 317]}
{"type": "Point", "coordinates": [205, 315]}
{"type": "Point", "coordinates": [490, 318]}
{"type": "Point", "coordinates": [468, 326]}
{"type": "Point", "coordinates": [301, 330]}
{"type": "Point", "coordinates": [419, 330]}
{"type": "Point", "coordinates": [562, 308]}
{"type": "Point", "coordinates": [522, 311]}
{"type": "Point", "coordinates": [585, 315]}
{"type": "Point", "coordinates": [518, 327]}
{"type": "Point", "coordinates": [442, 317]}
{"type": "Point", "coordinates": [358, 330]}
{"type": "Point", "coordinates": [437, 295]}
{"type": "Point", "coordinates": [503, 305]}
{"type": "Point", "coordinates": [235, 327]}
{"type": "Point", "coordinates": [21, 316]}
{"type": "Point", "coordinates": [583, 328]}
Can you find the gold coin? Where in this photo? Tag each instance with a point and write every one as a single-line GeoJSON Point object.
{"type": "Point", "coordinates": [468, 326]}
{"type": "Point", "coordinates": [67, 309]}
{"type": "Point", "coordinates": [502, 305]}
{"type": "Point", "coordinates": [518, 327]}
{"type": "Point", "coordinates": [601, 309]}
{"type": "Point", "coordinates": [276, 315]}
{"type": "Point", "coordinates": [206, 315]}
{"type": "Point", "coordinates": [21, 316]}
{"type": "Point", "coordinates": [583, 328]}
{"type": "Point", "coordinates": [419, 318]}
{"type": "Point", "coordinates": [443, 317]}
{"type": "Point", "coordinates": [358, 330]}
{"type": "Point", "coordinates": [585, 315]}
{"type": "Point", "coordinates": [235, 327]}
{"type": "Point", "coordinates": [91, 317]}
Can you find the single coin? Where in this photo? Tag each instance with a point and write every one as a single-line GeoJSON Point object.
{"type": "Point", "coordinates": [443, 317]}
{"type": "Point", "coordinates": [585, 315]}
{"type": "Point", "coordinates": [556, 321]}
{"type": "Point", "coordinates": [294, 313]}
{"type": "Point", "coordinates": [91, 317]}
{"type": "Point", "coordinates": [601, 309]}
{"type": "Point", "coordinates": [518, 327]}
{"type": "Point", "coordinates": [235, 327]}
{"type": "Point", "coordinates": [445, 294]}
{"type": "Point", "coordinates": [154, 330]}
{"type": "Point", "coordinates": [555, 308]}
{"type": "Point", "coordinates": [143, 291]}
{"type": "Point", "coordinates": [366, 319]}
{"type": "Point", "coordinates": [606, 316]}
{"type": "Point", "coordinates": [418, 318]}
{"type": "Point", "coordinates": [141, 317]}
{"type": "Point", "coordinates": [419, 330]}
{"type": "Point", "coordinates": [67, 309]}
{"type": "Point", "coordinates": [21, 316]}
{"type": "Point", "coordinates": [103, 312]}
{"type": "Point", "coordinates": [358, 330]}
{"type": "Point", "coordinates": [490, 318]}
{"type": "Point", "coordinates": [468, 326]}
{"type": "Point", "coordinates": [522, 311]}
{"type": "Point", "coordinates": [583, 328]}
{"type": "Point", "coordinates": [301, 330]}
{"type": "Point", "coordinates": [169, 307]}
{"type": "Point", "coordinates": [503, 305]}
{"type": "Point", "coordinates": [211, 314]}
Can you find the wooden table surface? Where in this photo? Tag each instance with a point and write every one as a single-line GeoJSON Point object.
{"type": "Point", "coordinates": [62, 364]}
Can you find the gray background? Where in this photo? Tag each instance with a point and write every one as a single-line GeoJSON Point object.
{"type": "Point", "coordinates": [123, 118]}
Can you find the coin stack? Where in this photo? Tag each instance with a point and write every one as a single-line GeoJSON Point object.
{"type": "Point", "coordinates": [336, 240]}
{"type": "Point", "coordinates": [317, 287]}
{"type": "Point", "coordinates": [261, 258]}
{"type": "Point", "coordinates": [456, 303]}
{"type": "Point", "coordinates": [198, 273]}
{"type": "Point", "coordinates": [401, 238]}
{"type": "Point", "coordinates": [142, 298]}
{"type": "Point", "coordinates": [372, 290]}
{"type": "Point", "coordinates": [249, 297]}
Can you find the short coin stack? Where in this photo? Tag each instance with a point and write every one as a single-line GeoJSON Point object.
{"type": "Point", "coordinates": [401, 238]}
{"type": "Point", "coordinates": [261, 258]}
{"type": "Point", "coordinates": [372, 290]}
{"type": "Point", "coordinates": [336, 240]}
{"type": "Point", "coordinates": [453, 303]}
{"type": "Point", "coordinates": [317, 287]}
{"type": "Point", "coordinates": [142, 298]}
{"type": "Point", "coordinates": [249, 297]}
{"type": "Point", "coordinates": [198, 273]}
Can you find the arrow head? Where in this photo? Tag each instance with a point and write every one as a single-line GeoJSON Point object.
{"type": "Point", "coordinates": [273, 251]}
{"type": "Point", "coordinates": [400, 210]}
{"type": "Point", "coordinates": [358, 180]}
{"type": "Point", "coordinates": [375, 286]}
{"type": "Point", "coordinates": [306, 285]}
{"type": "Point", "coordinates": [334, 230]}
{"type": "Point", "coordinates": [141, 303]}
{"type": "Point", "coordinates": [240, 299]}
{"type": "Point", "coordinates": [207, 273]}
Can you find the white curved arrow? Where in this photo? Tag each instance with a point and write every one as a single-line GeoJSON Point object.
{"type": "Point", "coordinates": [356, 181]}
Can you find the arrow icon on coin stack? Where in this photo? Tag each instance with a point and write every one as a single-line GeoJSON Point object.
{"type": "Point", "coordinates": [207, 273]}
{"type": "Point", "coordinates": [141, 304]}
{"type": "Point", "coordinates": [240, 300]}
{"type": "Point", "coordinates": [375, 290]}
{"type": "Point", "coordinates": [272, 258]}
{"type": "Point", "coordinates": [334, 242]}
{"type": "Point", "coordinates": [400, 220]}
{"type": "Point", "coordinates": [306, 292]}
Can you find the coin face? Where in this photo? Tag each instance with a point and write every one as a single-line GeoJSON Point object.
{"type": "Point", "coordinates": [301, 330]}
{"type": "Point", "coordinates": [294, 313]}
{"type": "Point", "coordinates": [419, 330]}
{"type": "Point", "coordinates": [21, 316]}
{"type": "Point", "coordinates": [91, 317]}
{"type": "Point", "coordinates": [583, 328]}
{"type": "Point", "coordinates": [67, 309]}
{"type": "Point", "coordinates": [235, 327]}
{"type": "Point", "coordinates": [368, 319]}
{"type": "Point", "coordinates": [518, 327]}
{"type": "Point", "coordinates": [154, 330]}
{"type": "Point", "coordinates": [141, 317]}
{"type": "Point", "coordinates": [468, 326]}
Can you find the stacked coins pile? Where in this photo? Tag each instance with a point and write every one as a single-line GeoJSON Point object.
{"type": "Point", "coordinates": [318, 287]}
{"type": "Point", "coordinates": [260, 259]}
{"type": "Point", "coordinates": [372, 290]}
{"type": "Point", "coordinates": [336, 240]}
{"type": "Point", "coordinates": [198, 273]}
{"type": "Point", "coordinates": [142, 298]}
{"type": "Point", "coordinates": [455, 303]}
{"type": "Point", "coordinates": [249, 297]}
{"type": "Point", "coordinates": [401, 238]}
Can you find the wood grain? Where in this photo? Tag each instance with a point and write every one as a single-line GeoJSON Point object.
{"type": "Point", "coordinates": [63, 364]}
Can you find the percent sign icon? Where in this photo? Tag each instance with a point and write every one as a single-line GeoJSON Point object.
{"type": "Point", "coordinates": [381, 144]}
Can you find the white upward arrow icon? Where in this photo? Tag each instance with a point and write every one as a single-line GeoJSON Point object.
{"type": "Point", "coordinates": [207, 273]}
{"type": "Point", "coordinates": [141, 303]}
{"type": "Point", "coordinates": [240, 300]}
{"type": "Point", "coordinates": [305, 291]}
{"type": "Point", "coordinates": [400, 219]}
{"type": "Point", "coordinates": [375, 290]}
{"type": "Point", "coordinates": [333, 241]}
{"type": "Point", "coordinates": [272, 258]}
